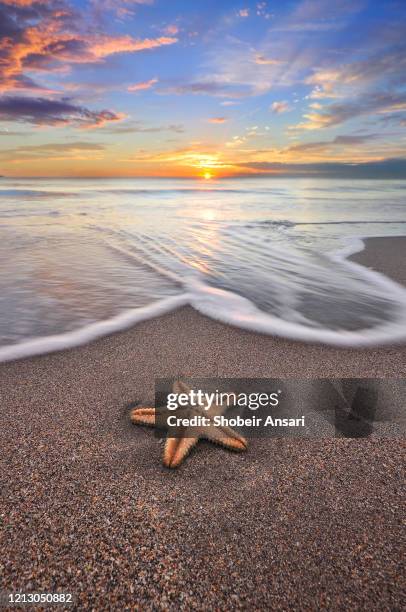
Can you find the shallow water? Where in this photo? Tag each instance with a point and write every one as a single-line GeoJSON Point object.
{"type": "Point", "coordinates": [253, 252]}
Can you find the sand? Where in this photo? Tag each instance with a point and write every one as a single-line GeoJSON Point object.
{"type": "Point", "coordinates": [87, 507]}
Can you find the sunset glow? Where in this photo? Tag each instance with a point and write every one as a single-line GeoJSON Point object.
{"type": "Point", "coordinates": [151, 88]}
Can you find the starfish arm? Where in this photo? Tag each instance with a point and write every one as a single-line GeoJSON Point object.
{"type": "Point", "coordinates": [143, 416]}
{"type": "Point", "coordinates": [180, 387]}
{"type": "Point", "coordinates": [227, 437]}
{"type": "Point", "coordinates": [176, 450]}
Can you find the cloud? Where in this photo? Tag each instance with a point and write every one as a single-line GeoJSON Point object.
{"type": "Point", "coordinates": [320, 93]}
{"type": "Point", "coordinates": [394, 119]}
{"type": "Point", "coordinates": [171, 29]}
{"type": "Point", "coordinates": [388, 65]}
{"type": "Point", "coordinates": [142, 85]}
{"type": "Point", "coordinates": [112, 4]}
{"type": "Point", "coordinates": [337, 113]}
{"type": "Point", "coordinates": [316, 10]}
{"type": "Point", "coordinates": [136, 127]}
{"type": "Point", "coordinates": [122, 8]}
{"type": "Point", "coordinates": [382, 169]}
{"type": "Point", "coordinates": [217, 120]}
{"type": "Point", "coordinates": [261, 60]}
{"type": "Point", "coordinates": [208, 88]}
{"type": "Point", "coordinates": [319, 15]}
{"type": "Point", "coordinates": [339, 141]}
{"type": "Point", "coordinates": [23, 3]}
{"type": "Point", "coordinates": [232, 65]}
{"type": "Point", "coordinates": [102, 46]}
{"type": "Point", "coordinates": [115, 4]}
{"type": "Point", "coordinates": [279, 59]}
{"type": "Point", "coordinates": [54, 150]}
{"type": "Point", "coordinates": [369, 87]}
{"type": "Point", "coordinates": [276, 61]}
{"type": "Point", "coordinates": [43, 111]}
{"type": "Point", "coordinates": [49, 39]}
{"type": "Point", "coordinates": [63, 146]}
{"type": "Point", "coordinates": [280, 107]}
{"type": "Point", "coordinates": [7, 132]}
{"type": "Point", "coordinates": [308, 26]}
{"type": "Point", "coordinates": [183, 157]}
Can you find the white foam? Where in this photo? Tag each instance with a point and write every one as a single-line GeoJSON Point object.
{"type": "Point", "coordinates": [353, 245]}
{"type": "Point", "coordinates": [124, 320]}
{"type": "Point", "coordinates": [233, 309]}
{"type": "Point", "coordinates": [240, 312]}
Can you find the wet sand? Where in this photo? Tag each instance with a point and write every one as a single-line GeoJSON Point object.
{"type": "Point", "coordinates": [87, 507]}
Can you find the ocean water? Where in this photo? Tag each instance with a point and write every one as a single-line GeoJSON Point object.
{"type": "Point", "coordinates": [80, 258]}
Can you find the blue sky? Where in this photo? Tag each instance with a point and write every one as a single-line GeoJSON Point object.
{"type": "Point", "coordinates": [176, 88]}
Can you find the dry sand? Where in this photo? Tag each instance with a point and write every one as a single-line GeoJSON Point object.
{"type": "Point", "coordinates": [87, 507]}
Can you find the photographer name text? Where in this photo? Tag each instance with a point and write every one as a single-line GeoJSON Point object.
{"type": "Point", "coordinates": [236, 421]}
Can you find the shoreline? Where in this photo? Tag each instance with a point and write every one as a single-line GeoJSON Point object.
{"type": "Point", "coordinates": [127, 320]}
{"type": "Point", "coordinates": [291, 523]}
{"type": "Point", "coordinates": [384, 255]}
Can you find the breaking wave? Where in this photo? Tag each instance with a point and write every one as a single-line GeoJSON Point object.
{"type": "Point", "coordinates": [269, 257]}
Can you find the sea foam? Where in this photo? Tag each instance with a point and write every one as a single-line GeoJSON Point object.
{"type": "Point", "coordinates": [232, 309]}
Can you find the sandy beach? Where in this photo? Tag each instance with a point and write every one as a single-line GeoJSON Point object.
{"type": "Point", "coordinates": [88, 508]}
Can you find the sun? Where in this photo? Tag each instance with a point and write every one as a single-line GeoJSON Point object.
{"type": "Point", "coordinates": [207, 176]}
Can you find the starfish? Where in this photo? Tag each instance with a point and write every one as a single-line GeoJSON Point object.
{"type": "Point", "coordinates": [177, 448]}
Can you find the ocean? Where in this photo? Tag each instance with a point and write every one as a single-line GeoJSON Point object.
{"type": "Point", "coordinates": [80, 258]}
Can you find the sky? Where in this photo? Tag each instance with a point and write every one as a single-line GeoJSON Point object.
{"type": "Point", "coordinates": [192, 88]}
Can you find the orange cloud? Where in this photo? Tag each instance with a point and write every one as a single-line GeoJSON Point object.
{"type": "Point", "coordinates": [142, 86]}
{"type": "Point", "coordinates": [103, 46]}
{"type": "Point", "coordinates": [171, 30]}
{"type": "Point", "coordinates": [280, 107]}
{"type": "Point", "coordinates": [48, 46]}
{"type": "Point", "coordinates": [217, 120]}
{"type": "Point", "coordinates": [23, 2]}
{"type": "Point", "coordinates": [178, 162]}
{"type": "Point", "coordinates": [375, 103]}
{"type": "Point", "coordinates": [261, 60]}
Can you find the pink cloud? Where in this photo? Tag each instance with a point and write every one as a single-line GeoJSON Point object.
{"type": "Point", "coordinates": [23, 2]}
{"type": "Point", "coordinates": [171, 30]}
{"type": "Point", "coordinates": [261, 60]}
{"type": "Point", "coordinates": [47, 47]}
{"type": "Point", "coordinates": [217, 120]}
{"type": "Point", "coordinates": [280, 107]}
{"type": "Point", "coordinates": [142, 85]}
{"type": "Point", "coordinates": [103, 46]}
